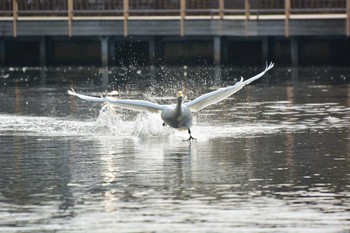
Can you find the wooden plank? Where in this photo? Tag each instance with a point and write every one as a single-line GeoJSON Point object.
{"type": "Point", "coordinates": [44, 28]}
{"type": "Point", "coordinates": [206, 27]}
{"type": "Point", "coordinates": [178, 17]}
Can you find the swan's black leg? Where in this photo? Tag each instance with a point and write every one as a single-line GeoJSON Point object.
{"type": "Point", "coordinates": [189, 132]}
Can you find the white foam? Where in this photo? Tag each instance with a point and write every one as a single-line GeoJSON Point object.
{"type": "Point", "coordinates": [276, 117]}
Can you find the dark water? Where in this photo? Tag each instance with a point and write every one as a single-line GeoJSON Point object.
{"type": "Point", "coordinates": [274, 158]}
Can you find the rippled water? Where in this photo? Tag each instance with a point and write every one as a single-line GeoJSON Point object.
{"type": "Point", "coordinates": [273, 158]}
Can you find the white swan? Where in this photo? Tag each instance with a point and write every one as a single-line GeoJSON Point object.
{"type": "Point", "coordinates": [177, 115]}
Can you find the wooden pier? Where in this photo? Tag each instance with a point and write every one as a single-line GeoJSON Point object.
{"type": "Point", "coordinates": [168, 31]}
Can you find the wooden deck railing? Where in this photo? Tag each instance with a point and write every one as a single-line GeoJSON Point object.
{"type": "Point", "coordinates": [181, 9]}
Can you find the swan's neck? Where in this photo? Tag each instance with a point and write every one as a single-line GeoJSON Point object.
{"type": "Point", "coordinates": [178, 108]}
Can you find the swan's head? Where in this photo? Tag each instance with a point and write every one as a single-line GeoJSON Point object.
{"type": "Point", "coordinates": [179, 94]}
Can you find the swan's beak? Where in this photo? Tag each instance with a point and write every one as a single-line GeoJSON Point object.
{"type": "Point", "coordinates": [179, 94]}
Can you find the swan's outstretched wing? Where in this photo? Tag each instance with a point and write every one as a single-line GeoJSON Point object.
{"type": "Point", "coordinates": [222, 93]}
{"type": "Point", "coordinates": [136, 105]}
{"type": "Point", "coordinates": [85, 97]}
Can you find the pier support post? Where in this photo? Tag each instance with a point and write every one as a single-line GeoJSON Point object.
{"type": "Point", "coordinates": [42, 77]}
{"type": "Point", "coordinates": [105, 76]}
{"type": "Point", "coordinates": [217, 50]}
{"type": "Point", "coordinates": [104, 51]}
{"type": "Point", "coordinates": [111, 51]}
{"type": "Point", "coordinates": [265, 49]}
{"type": "Point", "coordinates": [152, 50]}
{"type": "Point", "coordinates": [294, 51]}
{"type": "Point", "coordinates": [2, 52]}
{"type": "Point", "coordinates": [50, 50]}
{"type": "Point", "coordinates": [42, 51]}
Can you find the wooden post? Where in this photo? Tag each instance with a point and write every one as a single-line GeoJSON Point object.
{"type": "Point", "coordinates": [221, 9]}
{"type": "Point", "coordinates": [247, 16]}
{"type": "Point", "coordinates": [15, 16]}
{"type": "Point", "coordinates": [348, 18]}
{"type": "Point", "coordinates": [126, 17]}
{"type": "Point", "coordinates": [182, 19]}
{"type": "Point", "coordinates": [70, 17]}
{"type": "Point", "coordinates": [247, 9]}
{"type": "Point", "coordinates": [287, 7]}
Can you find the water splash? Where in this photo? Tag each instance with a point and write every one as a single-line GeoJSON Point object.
{"type": "Point", "coordinates": [277, 117]}
{"type": "Point", "coordinates": [111, 122]}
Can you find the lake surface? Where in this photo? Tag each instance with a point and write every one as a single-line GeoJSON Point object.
{"type": "Point", "coordinates": [273, 158]}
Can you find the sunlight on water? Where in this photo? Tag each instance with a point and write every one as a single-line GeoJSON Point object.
{"type": "Point", "coordinates": [272, 158]}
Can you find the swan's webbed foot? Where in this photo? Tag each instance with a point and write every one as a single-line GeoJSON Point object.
{"type": "Point", "coordinates": [191, 138]}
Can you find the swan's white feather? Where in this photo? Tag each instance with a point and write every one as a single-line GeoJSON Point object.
{"type": "Point", "coordinates": [85, 97]}
{"type": "Point", "coordinates": [136, 105]}
{"type": "Point", "coordinates": [222, 93]}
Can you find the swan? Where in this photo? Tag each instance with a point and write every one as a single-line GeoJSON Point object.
{"type": "Point", "coordinates": [178, 115]}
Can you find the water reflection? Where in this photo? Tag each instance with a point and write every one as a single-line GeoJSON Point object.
{"type": "Point", "coordinates": [273, 158]}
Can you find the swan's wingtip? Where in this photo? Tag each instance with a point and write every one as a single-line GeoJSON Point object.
{"type": "Point", "coordinates": [71, 92]}
{"type": "Point", "coordinates": [269, 66]}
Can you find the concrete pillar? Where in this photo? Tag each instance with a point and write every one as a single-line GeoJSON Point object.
{"type": "Point", "coordinates": [42, 51]}
{"type": "Point", "coordinates": [42, 77]}
{"type": "Point", "coordinates": [159, 49]}
{"type": "Point", "coordinates": [217, 50]}
{"type": "Point", "coordinates": [265, 49]}
{"type": "Point", "coordinates": [294, 51]}
{"type": "Point", "coordinates": [224, 45]}
{"type": "Point", "coordinates": [2, 52]}
{"type": "Point", "coordinates": [295, 73]}
{"type": "Point", "coordinates": [111, 50]}
{"type": "Point", "coordinates": [152, 51]}
{"type": "Point", "coordinates": [50, 51]}
{"type": "Point", "coordinates": [104, 51]}
{"type": "Point", "coordinates": [217, 74]}
{"type": "Point", "coordinates": [105, 76]}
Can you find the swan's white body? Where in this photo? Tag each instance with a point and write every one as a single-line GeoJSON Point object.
{"type": "Point", "coordinates": [177, 115]}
